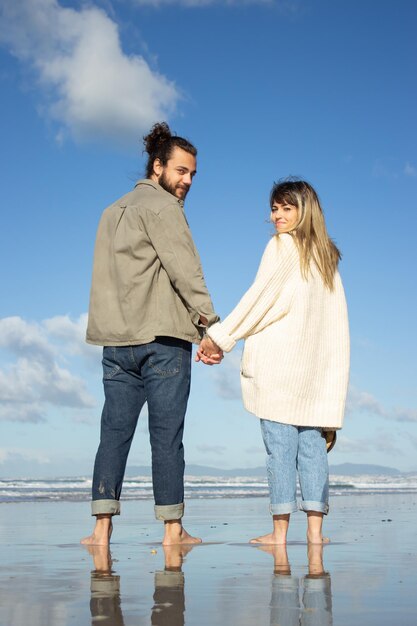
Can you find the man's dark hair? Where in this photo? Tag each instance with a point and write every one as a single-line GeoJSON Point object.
{"type": "Point", "coordinates": [160, 143]}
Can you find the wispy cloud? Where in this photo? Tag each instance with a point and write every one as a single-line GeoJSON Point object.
{"type": "Point", "coordinates": [205, 3]}
{"type": "Point", "coordinates": [383, 442]}
{"type": "Point", "coordinates": [20, 454]}
{"type": "Point", "coordinates": [365, 402]}
{"type": "Point", "coordinates": [410, 170]}
{"type": "Point", "coordinates": [255, 450]}
{"type": "Point", "coordinates": [226, 376]}
{"type": "Point", "coordinates": [349, 445]}
{"type": "Point", "coordinates": [410, 437]}
{"type": "Point", "coordinates": [90, 86]}
{"type": "Point", "coordinates": [385, 168]}
{"type": "Point", "coordinates": [207, 449]}
{"type": "Point", "coordinates": [36, 379]}
{"type": "Point", "coordinates": [392, 169]}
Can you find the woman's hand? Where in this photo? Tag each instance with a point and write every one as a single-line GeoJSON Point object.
{"type": "Point", "coordinates": [208, 352]}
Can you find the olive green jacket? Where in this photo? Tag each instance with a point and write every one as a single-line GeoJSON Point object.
{"type": "Point", "coordinates": [147, 276]}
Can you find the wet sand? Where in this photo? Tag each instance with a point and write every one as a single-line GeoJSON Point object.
{"type": "Point", "coordinates": [366, 575]}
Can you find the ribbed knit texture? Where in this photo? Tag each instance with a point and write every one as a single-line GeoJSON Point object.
{"type": "Point", "coordinates": [295, 363]}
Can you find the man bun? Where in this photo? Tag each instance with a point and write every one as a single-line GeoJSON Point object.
{"type": "Point", "coordinates": [159, 134]}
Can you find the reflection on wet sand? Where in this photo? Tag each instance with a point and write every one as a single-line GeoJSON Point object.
{"type": "Point", "coordinates": [169, 600]}
{"type": "Point", "coordinates": [105, 588]}
{"type": "Point", "coordinates": [295, 600]}
{"type": "Point", "coordinates": [305, 600]}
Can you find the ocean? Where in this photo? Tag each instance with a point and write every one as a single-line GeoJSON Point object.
{"type": "Point", "coordinates": [78, 489]}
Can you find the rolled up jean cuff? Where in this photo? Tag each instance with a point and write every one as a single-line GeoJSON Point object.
{"type": "Point", "coordinates": [167, 579]}
{"type": "Point", "coordinates": [310, 505]}
{"type": "Point", "coordinates": [283, 508]}
{"type": "Point", "coordinates": [105, 507]}
{"type": "Point", "coordinates": [168, 512]}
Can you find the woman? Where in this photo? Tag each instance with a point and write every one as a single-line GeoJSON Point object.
{"type": "Point", "coordinates": [295, 364]}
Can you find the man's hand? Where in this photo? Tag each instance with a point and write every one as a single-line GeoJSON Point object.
{"type": "Point", "coordinates": [208, 352]}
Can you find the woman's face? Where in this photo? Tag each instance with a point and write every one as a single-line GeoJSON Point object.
{"type": "Point", "coordinates": [284, 216]}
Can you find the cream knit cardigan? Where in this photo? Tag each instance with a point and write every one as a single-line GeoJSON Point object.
{"type": "Point", "coordinates": [295, 363]}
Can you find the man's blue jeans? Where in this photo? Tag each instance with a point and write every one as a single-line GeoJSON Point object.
{"type": "Point", "coordinates": [158, 373]}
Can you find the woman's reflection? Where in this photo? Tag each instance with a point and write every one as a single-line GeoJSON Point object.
{"type": "Point", "coordinates": [305, 600]}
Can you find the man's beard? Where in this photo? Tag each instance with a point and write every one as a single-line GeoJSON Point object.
{"type": "Point", "coordinates": [170, 188]}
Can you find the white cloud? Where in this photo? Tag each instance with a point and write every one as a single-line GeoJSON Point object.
{"type": "Point", "coordinates": [362, 401]}
{"type": "Point", "coordinates": [36, 381]}
{"type": "Point", "coordinates": [71, 333]}
{"type": "Point", "coordinates": [205, 3]}
{"type": "Point", "coordinates": [92, 88]}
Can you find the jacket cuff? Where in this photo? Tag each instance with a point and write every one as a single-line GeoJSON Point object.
{"type": "Point", "coordinates": [221, 338]}
{"type": "Point", "coordinates": [212, 318]}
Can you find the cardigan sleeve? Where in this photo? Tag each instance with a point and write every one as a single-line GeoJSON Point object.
{"type": "Point", "coordinates": [275, 269]}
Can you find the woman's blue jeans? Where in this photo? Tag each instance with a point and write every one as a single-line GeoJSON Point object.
{"type": "Point", "coordinates": [291, 449]}
{"type": "Point", "coordinates": [158, 373]}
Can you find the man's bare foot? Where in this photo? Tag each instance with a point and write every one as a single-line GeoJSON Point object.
{"type": "Point", "coordinates": [271, 539]}
{"type": "Point", "coordinates": [176, 534]}
{"type": "Point", "coordinates": [101, 558]}
{"type": "Point", "coordinates": [101, 533]}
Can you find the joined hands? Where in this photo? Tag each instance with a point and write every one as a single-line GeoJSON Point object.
{"type": "Point", "coordinates": [208, 352]}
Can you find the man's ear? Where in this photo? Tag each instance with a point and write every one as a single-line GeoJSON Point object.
{"type": "Point", "coordinates": [157, 167]}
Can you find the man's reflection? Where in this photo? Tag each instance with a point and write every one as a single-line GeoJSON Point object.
{"type": "Point", "coordinates": [169, 599]}
{"type": "Point", "coordinates": [306, 600]}
{"type": "Point", "coordinates": [105, 589]}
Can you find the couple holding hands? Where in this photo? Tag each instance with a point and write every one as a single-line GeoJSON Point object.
{"type": "Point", "coordinates": [149, 303]}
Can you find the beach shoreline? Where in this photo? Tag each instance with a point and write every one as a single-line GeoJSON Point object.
{"type": "Point", "coordinates": [369, 569]}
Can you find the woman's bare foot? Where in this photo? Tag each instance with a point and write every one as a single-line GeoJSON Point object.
{"type": "Point", "coordinates": [271, 539]}
{"type": "Point", "coordinates": [279, 553]}
{"type": "Point", "coordinates": [278, 535]}
{"type": "Point", "coordinates": [315, 559]}
{"type": "Point", "coordinates": [101, 533]}
{"type": "Point", "coordinates": [317, 539]}
{"type": "Point", "coordinates": [176, 534]}
{"type": "Point", "coordinates": [314, 528]}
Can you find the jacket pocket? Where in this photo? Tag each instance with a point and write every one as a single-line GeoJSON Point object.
{"type": "Point", "coordinates": [248, 357]}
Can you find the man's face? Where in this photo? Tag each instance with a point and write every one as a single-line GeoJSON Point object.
{"type": "Point", "coordinates": [177, 175]}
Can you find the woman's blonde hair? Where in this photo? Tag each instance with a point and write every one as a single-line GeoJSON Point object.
{"type": "Point", "coordinates": [310, 233]}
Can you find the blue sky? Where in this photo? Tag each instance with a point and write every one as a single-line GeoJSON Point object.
{"type": "Point", "coordinates": [325, 90]}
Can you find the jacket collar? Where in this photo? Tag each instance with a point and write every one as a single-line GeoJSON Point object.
{"type": "Point", "coordinates": [152, 183]}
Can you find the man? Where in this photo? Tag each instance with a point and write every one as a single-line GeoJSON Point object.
{"type": "Point", "coordinates": [148, 304]}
